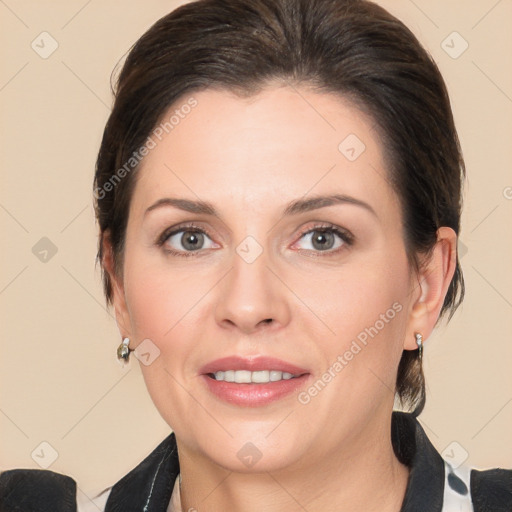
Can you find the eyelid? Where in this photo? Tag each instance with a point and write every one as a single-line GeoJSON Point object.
{"type": "Point", "coordinates": [345, 235]}
{"type": "Point", "coordinates": [188, 226]}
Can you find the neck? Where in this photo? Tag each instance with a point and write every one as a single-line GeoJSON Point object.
{"type": "Point", "coordinates": [366, 475]}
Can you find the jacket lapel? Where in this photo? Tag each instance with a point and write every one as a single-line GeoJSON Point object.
{"type": "Point", "coordinates": [412, 447]}
{"type": "Point", "coordinates": [148, 487]}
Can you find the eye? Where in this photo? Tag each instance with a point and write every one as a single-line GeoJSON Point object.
{"type": "Point", "coordinates": [185, 240]}
{"type": "Point", "coordinates": [327, 238]}
{"type": "Point", "coordinates": [190, 239]}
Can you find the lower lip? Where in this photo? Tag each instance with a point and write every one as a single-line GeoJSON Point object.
{"type": "Point", "coordinates": [254, 395]}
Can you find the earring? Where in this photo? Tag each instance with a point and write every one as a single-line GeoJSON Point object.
{"type": "Point", "coordinates": [123, 351]}
{"type": "Point", "coordinates": [419, 342]}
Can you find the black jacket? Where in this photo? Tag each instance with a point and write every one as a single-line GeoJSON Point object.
{"type": "Point", "coordinates": [148, 487]}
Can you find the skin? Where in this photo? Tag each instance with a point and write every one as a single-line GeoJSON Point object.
{"type": "Point", "coordinates": [250, 158]}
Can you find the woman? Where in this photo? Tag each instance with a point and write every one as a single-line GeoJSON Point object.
{"type": "Point", "coordinates": [278, 191]}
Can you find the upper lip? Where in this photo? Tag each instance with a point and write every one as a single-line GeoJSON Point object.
{"type": "Point", "coordinates": [252, 364]}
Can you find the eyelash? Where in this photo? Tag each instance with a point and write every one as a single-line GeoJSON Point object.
{"type": "Point", "coordinates": [345, 236]}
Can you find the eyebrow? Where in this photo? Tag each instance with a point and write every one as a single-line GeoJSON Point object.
{"type": "Point", "coordinates": [293, 208]}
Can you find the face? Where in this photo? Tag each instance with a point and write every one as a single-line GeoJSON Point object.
{"type": "Point", "coordinates": [268, 275]}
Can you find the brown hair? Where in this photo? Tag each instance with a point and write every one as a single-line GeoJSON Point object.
{"type": "Point", "coordinates": [353, 48]}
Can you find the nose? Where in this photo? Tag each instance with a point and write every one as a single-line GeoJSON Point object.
{"type": "Point", "coordinates": [252, 297]}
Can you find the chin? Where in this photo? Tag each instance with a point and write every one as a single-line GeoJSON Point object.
{"type": "Point", "coordinates": [248, 451]}
{"type": "Point", "coordinates": [249, 459]}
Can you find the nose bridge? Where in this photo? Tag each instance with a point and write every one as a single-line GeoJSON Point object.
{"type": "Point", "coordinates": [251, 294]}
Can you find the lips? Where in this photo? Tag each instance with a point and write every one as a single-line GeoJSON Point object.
{"type": "Point", "coordinates": [253, 364]}
{"type": "Point", "coordinates": [253, 394]}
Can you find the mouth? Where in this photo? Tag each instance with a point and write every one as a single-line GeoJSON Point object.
{"type": "Point", "coordinates": [252, 382]}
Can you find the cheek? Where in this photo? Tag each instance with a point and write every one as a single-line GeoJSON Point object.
{"type": "Point", "coordinates": [164, 306]}
{"type": "Point", "coordinates": [356, 298]}
{"type": "Point", "coordinates": [160, 296]}
{"type": "Point", "coordinates": [366, 309]}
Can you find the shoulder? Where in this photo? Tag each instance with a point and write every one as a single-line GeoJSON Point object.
{"type": "Point", "coordinates": [36, 490]}
{"type": "Point", "coordinates": [434, 484]}
{"type": "Point", "coordinates": [491, 489]}
{"type": "Point", "coordinates": [149, 484]}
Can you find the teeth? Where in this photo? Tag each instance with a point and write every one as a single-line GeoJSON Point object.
{"type": "Point", "coordinates": [247, 377]}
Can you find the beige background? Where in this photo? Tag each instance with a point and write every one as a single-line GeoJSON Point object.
{"type": "Point", "coordinates": [60, 381]}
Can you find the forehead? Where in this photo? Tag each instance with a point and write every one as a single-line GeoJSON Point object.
{"type": "Point", "coordinates": [282, 143]}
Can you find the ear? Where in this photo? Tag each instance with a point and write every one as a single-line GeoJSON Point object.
{"type": "Point", "coordinates": [430, 287]}
{"type": "Point", "coordinates": [118, 297]}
